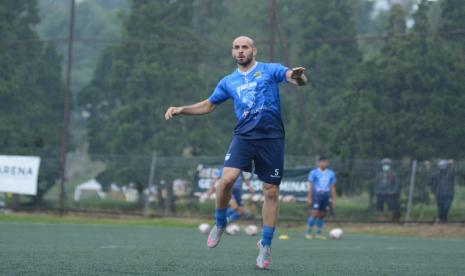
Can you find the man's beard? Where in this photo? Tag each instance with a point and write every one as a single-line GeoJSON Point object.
{"type": "Point", "coordinates": [245, 62]}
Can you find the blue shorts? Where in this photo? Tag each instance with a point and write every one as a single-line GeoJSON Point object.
{"type": "Point", "coordinates": [266, 154]}
{"type": "Point", "coordinates": [237, 196]}
{"type": "Point", "coordinates": [321, 201]}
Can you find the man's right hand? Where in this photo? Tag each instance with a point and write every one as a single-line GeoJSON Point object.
{"type": "Point", "coordinates": [172, 111]}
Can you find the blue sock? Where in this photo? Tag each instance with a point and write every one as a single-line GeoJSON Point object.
{"type": "Point", "coordinates": [234, 216]}
{"type": "Point", "coordinates": [229, 212]}
{"type": "Point", "coordinates": [310, 223]}
{"type": "Point", "coordinates": [319, 223]}
{"type": "Point", "coordinates": [267, 235]}
{"type": "Point", "coordinates": [220, 215]}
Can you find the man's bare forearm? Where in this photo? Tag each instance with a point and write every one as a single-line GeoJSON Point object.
{"type": "Point", "coordinates": [333, 193]}
{"type": "Point", "coordinates": [200, 108]}
{"type": "Point", "coordinates": [310, 191]}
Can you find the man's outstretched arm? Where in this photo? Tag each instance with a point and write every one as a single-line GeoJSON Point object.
{"type": "Point", "coordinates": [296, 76]}
{"type": "Point", "coordinates": [199, 108]}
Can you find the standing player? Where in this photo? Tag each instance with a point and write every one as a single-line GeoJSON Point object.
{"type": "Point", "coordinates": [321, 194]}
{"type": "Point", "coordinates": [236, 209]}
{"type": "Point", "coordinates": [258, 136]}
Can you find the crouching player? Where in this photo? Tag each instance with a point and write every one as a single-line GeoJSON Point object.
{"type": "Point", "coordinates": [321, 194]}
{"type": "Point", "coordinates": [235, 210]}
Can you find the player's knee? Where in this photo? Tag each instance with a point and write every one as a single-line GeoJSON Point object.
{"type": "Point", "coordinates": [226, 183]}
{"type": "Point", "coordinates": [271, 192]}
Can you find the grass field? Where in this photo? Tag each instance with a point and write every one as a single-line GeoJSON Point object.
{"type": "Point", "coordinates": [76, 246]}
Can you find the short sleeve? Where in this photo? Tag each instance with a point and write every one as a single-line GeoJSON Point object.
{"type": "Point", "coordinates": [333, 179]}
{"type": "Point", "coordinates": [220, 94]}
{"type": "Point", "coordinates": [279, 72]}
{"type": "Point", "coordinates": [311, 177]}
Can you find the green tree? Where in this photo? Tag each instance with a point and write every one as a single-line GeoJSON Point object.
{"type": "Point", "coordinates": [96, 25]}
{"type": "Point", "coordinates": [452, 15]}
{"type": "Point", "coordinates": [330, 61]}
{"type": "Point", "coordinates": [452, 24]}
{"type": "Point", "coordinates": [31, 91]}
{"type": "Point", "coordinates": [155, 65]}
{"type": "Point", "coordinates": [405, 101]}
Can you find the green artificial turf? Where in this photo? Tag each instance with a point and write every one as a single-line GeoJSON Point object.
{"type": "Point", "coordinates": [102, 249]}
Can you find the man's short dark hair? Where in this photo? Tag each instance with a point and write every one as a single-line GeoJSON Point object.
{"type": "Point", "coordinates": [322, 158]}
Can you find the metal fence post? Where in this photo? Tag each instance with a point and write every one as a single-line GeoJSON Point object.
{"type": "Point", "coordinates": [170, 210]}
{"type": "Point", "coordinates": [150, 184]}
{"type": "Point", "coordinates": [410, 190]}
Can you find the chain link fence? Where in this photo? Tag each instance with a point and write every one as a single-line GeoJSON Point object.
{"type": "Point", "coordinates": [155, 185]}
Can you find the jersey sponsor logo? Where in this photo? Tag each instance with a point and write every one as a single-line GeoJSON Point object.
{"type": "Point", "coordinates": [324, 180]}
{"type": "Point", "coordinates": [245, 86]}
{"type": "Point", "coordinates": [227, 156]}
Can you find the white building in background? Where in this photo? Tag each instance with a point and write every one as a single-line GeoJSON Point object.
{"type": "Point", "coordinates": [88, 189]}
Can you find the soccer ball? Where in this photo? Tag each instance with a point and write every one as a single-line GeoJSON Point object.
{"type": "Point", "coordinates": [256, 197]}
{"type": "Point", "coordinates": [336, 234]}
{"type": "Point", "coordinates": [233, 229]}
{"type": "Point", "coordinates": [251, 230]}
{"type": "Point", "coordinates": [204, 228]}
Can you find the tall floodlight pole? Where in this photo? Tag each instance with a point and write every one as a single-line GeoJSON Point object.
{"type": "Point", "coordinates": [65, 130]}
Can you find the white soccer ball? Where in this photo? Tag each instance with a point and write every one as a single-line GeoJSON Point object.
{"type": "Point", "coordinates": [246, 197]}
{"type": "Point", "coordinates": [336, 234]}
{"type": "Point", "coordinates": [204, 228]}
{"type": "Point", "coordinates": [256, 197]}
{"type": "Point", "coordinates": [233, 229]}
{"type": "Point", "coordinates": [251, 230]}
{"type": "Point", "coordinates": [289, 198]}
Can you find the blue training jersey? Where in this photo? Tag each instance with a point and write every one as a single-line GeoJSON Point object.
{"type": "Point", "coordinates": [256, 100]}
{"type": "Point", "coordinates": [237, 185]}
{"type": "Point", "coordinates": [322, 180]}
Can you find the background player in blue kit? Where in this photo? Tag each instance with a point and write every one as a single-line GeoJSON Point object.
{"type": "Point", "coordinates": [321, 196]}
{"type": "Point", "coordinates": [236, 209]}
{"type": "Point", "coordinates": [258, 135]}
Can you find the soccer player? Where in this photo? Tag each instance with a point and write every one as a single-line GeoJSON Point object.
{"type": "Point", "coordinates": [236, 209]}
{"type": "Point", "coordinates": [258, 136]}
{"type": "Point", "coordinates": [321, 194]}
